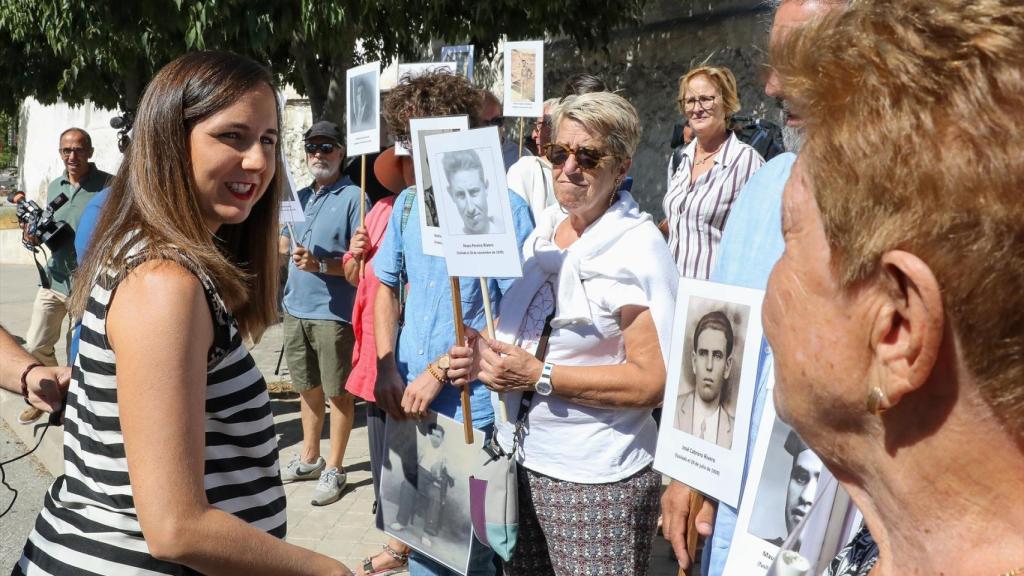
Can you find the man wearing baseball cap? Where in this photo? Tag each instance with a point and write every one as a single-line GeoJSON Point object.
{"type": "Point", "coordinates": [318, 299]}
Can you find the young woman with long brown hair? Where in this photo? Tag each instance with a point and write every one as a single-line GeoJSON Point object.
{"type": "Point", "coordinates": [171, 461]}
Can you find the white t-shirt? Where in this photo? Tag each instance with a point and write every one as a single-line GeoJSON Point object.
{"type": "Point", "coordinates": [580, 443]}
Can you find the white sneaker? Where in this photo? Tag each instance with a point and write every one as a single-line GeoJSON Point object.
{"type": "Point", "coordinates": [328, 489]}
{"type": "Point", "coordinates": [299, 470]}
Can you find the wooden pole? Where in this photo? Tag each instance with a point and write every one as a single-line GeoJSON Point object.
{"type": "Point", "coordinates": [460, 337]}
{"type": "Point", "coordinates": [490, 334]}
{"type": "Point", "coordinates": [521, 132]}
{"type": "Point", "coordinates": [696, 502]}
{"type": "Point", "coordinates": [362, 206]}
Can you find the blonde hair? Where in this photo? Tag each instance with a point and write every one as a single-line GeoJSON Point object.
{"type": "Point", "coordinates": [724, 82]}
{"type": "Point", "coordinates": [912, 112]}
{"type": "Point", "coordinates": [607, 115]}
{"type": "Point", "coordinates": [153, 198]}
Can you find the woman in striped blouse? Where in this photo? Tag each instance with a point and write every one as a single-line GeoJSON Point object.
{"type": "Point", "coordinates": [714, 167]}
{"type": "Point", "coordinates": [170, 455]}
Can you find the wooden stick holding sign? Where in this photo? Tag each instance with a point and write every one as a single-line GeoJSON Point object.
{"type": "Point", "coordinates": [460, 336]}
{"type": "Point", "coordinates": [696, 502]}
{"type": "Point", "coordinates": [478, 231]}
{"type": "Point", "coordinates": [363, 126]}
{"type": "Point", "coordinates": [490, 334]}
{"type": "Point", "coordinates": [521, 132]}
{"type": "Point", "coordinates": [362, 207]}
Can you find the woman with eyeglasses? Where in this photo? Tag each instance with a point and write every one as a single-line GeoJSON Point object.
{"type": "Point", "coordinates": [714, 167]}
{"type": "Point", "coordinates": [579, 355]}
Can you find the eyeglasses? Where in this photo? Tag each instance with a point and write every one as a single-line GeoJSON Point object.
{"type": "Point", "coordinates": [586, 158]}
{"type": "Point", "coordinates": [325, 147]}
{"type": "Point", "coordinates": [65, 152]}
{"type": "Point", "coordinates": [496, 121]}
{"type": "Point", "coordinates": [692, 102]}
{"type": "Point", "coordinates": [541, 122]}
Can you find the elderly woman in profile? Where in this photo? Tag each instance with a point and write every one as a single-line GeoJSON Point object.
{"type": "Point", "coordinates": [903, 267]}
{"type": "Point", "coordinates": [714, 167]}
{"type": "Point", "coordinates": [597, 292]}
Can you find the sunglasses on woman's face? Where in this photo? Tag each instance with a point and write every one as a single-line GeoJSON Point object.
{"type": "Point", "coordinates": [325, 147]}
{"type": "Point", "coordinates": [586, 158]}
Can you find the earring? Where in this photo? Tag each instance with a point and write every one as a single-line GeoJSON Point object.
{"type": "Point", "coordinates": [876, 399]}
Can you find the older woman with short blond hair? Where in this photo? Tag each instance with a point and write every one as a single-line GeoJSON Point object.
{"type": "Point", "coordinates": [714, 167]}
{"type": "Point", "coordinates": [897, 312]}
{"type": "Point", "coordinates": [599, 281]}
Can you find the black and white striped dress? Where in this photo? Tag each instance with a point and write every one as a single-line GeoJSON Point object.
{"type": "Point", "coordinates": [88, 524]}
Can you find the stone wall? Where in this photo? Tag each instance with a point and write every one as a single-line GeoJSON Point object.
{"type": "Point", "coordinates": [644, 64]}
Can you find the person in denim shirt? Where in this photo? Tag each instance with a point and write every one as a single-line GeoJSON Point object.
{"type": "Point", "coordinates": [406, 385]}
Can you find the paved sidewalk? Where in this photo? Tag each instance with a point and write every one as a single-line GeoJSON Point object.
{"type": "Point", "coordinates": [343, 530]}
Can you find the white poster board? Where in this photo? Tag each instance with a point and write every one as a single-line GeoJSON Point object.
{"type": "Point", "coordinates": [462, 56]}
{"type": "Point", "coordinates": [786, 480]}
{"type": "Point", "coordinates": [291, 208]}
{"type": "Point", "coordinates": [419, 129]}
{"type": "Point", "coordinates": [424, 488]}
{"type": "Point", "coordinates": [524, 79]}
{"type": "Point", "coordinates": [473, 206]}
{"type": "Point", "coordinates": [709, 395]}
{"type": "Point", "coordinates": [362, 131]}
{"type": "Point", "coordinates": [407, 72]}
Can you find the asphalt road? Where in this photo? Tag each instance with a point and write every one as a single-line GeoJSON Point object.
{"type": "Point", "coordinates": [31, 480]}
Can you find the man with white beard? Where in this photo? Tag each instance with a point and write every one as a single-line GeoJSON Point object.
{"type": "Point", "coordinates": [318, 300]}
{"type": "Point", "coordinates": [751, 244]}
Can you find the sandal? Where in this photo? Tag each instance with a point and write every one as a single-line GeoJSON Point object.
{"type": "Point", "coordinates": [401, 558]}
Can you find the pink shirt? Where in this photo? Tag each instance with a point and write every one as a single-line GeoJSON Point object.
{"type": "Point", "coordinates": [364, 355]}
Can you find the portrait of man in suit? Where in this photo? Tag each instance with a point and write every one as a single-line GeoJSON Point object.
{"type": "Point", "coordinates": [703, 411]}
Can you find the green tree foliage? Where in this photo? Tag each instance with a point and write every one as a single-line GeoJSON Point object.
{"type": "Point", "coordinates": [106, 50]}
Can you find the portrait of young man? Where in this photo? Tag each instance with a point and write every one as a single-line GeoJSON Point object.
{"type": "Point", "coordinates": [702, 411]}
{"type": "Point", "coordinates": [789, 493]}
{"type": "Point", "coordinates": [468, 187]}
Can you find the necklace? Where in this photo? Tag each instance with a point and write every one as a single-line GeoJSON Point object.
{"type": "Point", "coordinates": [1015, 572]}
{"type": "Point", "coordinates": [708, 157]}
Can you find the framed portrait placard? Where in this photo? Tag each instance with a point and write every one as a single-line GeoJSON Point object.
{"type": "Point", "coordinates": [419, 130]}
{"type": "Point", "coordinates": [462, 56]}
{"type": "Point", "coordinates": [473, 207]}
{"type": "Point", "coordinates": [789, 502]}
{"type": "Point", "coordinates": [709, 395]}
{"type": "Point", "coordinates": [362, 129]}
{"type": "Point", "coordinates": [524, 79]}
{"type": "Point", "coordinates": [424, 487]}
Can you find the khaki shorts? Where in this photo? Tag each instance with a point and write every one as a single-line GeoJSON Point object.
{"type": "Point", "coordinates": [319, 353]}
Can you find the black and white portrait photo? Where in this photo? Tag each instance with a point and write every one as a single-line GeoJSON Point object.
{"type": "Point", "coordinates": [426, 187]}
{"type": "Point", "coordinates": [362, 113]}
{"type": "Point", "coordinates": [462, 56]}
{"type": "Point", "coordinates": [709, 393]}
{"type": "Point", "coordinates": [788, 487]}
{"type": "Point", "coordinates": [706, 404]}
{"type": "Point", "coordinates": [468, 188]}
{"type": "Point", "coordinates": [425, 487]}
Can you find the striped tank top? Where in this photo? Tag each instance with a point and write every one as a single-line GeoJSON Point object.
{"type": "Point", "coordinates": [88, 524]}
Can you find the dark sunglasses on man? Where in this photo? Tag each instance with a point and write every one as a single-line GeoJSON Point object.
{"type": "Point", "coordinates": [325, 147]}
{"type": "Point", "coordinates": [586, 158]}
{"type": "Point", "coordinates": [496, 121]}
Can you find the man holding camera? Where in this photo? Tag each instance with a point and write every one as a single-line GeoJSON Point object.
{"type": "Point", "coordinates": [80, 182]}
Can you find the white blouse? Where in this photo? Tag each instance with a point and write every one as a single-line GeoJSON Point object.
{"type": "Point", "coordinates": [697, 212]}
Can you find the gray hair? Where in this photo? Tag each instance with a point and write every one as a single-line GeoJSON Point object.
{"type": "Point", "coordinates": [606, 115]}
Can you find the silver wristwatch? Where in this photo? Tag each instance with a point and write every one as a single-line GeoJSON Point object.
{"type": "Point", "coordinates": [543, 385]}
{"type": "Point", "coordinates": [323, 266]}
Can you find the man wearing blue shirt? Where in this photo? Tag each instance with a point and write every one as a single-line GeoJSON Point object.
{"type": "Point", "coordinates": [318, 299]}
{"type": "Point", "coordinates": [751, 244]}
{"type": "Point", "coordinates": [411, 377]}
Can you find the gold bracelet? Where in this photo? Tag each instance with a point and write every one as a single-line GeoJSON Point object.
{"type": "Point", "coordinates": [437, 376]}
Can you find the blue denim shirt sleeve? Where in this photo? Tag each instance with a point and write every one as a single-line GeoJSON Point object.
{"type": "Point", "coordinates": [385, 261]}
{"type": "Point", "coordinates": [751, 245]}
